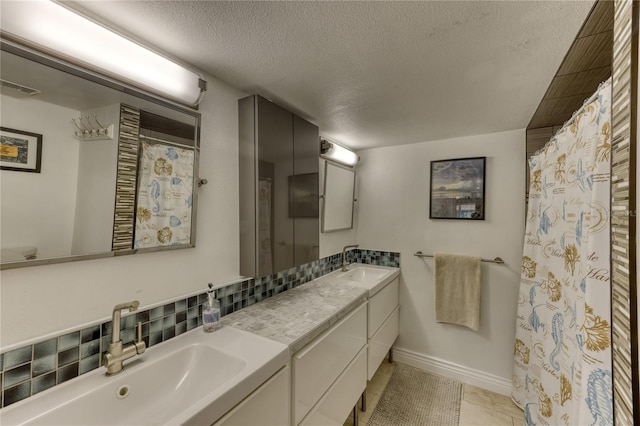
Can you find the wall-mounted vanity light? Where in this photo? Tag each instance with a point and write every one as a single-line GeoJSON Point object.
{"type": "Point", "coordinates": [334, 152]}
{"type": "Point", "coordinates": [61, 32]}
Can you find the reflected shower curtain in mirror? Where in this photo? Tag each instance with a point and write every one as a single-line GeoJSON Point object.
{"type": "Point", "coordinates": [265, 267]}
{"type": "Point", "coordinates": [562, 368]}
{"type": "Point", "coordinates": [165, 196]}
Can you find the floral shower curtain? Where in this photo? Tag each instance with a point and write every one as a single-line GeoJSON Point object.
{"type": "Point", "coordinates": [562, 369]}
{"type": "Point", "coordinates": [165, 196]}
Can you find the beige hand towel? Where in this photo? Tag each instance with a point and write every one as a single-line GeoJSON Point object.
{"type": "Point", "coordinates": [457, 279]}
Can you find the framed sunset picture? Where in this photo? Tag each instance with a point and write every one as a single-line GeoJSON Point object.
{"type": "Point", "coordinates": [457, 189]}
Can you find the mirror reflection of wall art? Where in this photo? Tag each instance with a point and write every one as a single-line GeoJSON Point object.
{"type": "Point", "coordinates": [457, 189]}
{"type": "Point", "coordinates": [20, 151]}
{"type": "Point", "coordinates": [303, 195]}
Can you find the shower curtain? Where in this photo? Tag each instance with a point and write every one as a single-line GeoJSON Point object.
{"type": "Point", "coordinates": [165, 196]}
{"type": "Point", "coordinates": [562, 351]}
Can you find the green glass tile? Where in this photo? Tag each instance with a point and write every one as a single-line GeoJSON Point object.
{"type": "Point", "coordinates": [46, 348]}
{"type": "Point", "coordinates": [68, 341]}
{"type": "Point", "coordinates": [44, 382]}
{"type": "Point", "coordinates": [17, 375]}
{"type": "Point", "coordinates": [17, 357]}
{"type": "Point", "coordinates": [16, 393]}
{"type": "Point", "coordinates": [43, 365]}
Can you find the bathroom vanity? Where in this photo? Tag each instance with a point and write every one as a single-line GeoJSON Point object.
{"type": "Point", "coordinates": [382, 285]}
{"type": "Point", "coordinates": [325, 326]}
{"type": "Point", "coordinates": [301, 357]}
{"type": "Point", "coordinates": [339, 328]}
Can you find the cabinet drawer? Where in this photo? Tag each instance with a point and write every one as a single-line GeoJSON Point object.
{"type": "Point", "coordinates": [382, 341]}
{"type": "Point", "coordinates": [338, 402]}
{"type": "Point", "coordinates": [268, 405]}
{"type": "Point", "coordinates": [318, 365]}
{"type": "Point", "coordinates": [381, 305]}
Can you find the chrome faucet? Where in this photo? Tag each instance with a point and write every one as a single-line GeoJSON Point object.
{"type": "Point", "coordinates": [345, 265]}
{"type": "Point", "coordinates": [116, 354]}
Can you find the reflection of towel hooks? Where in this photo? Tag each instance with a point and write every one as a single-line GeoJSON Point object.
{"type": "Point", "coordinates": [95, 118]}
{"type": "Point", "coordinates": [86, 130]}
{"type": "Point", "coordinates": [202, 182]}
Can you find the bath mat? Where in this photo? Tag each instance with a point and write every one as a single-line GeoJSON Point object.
{"type": "Point", "coordinates": [414, 397]}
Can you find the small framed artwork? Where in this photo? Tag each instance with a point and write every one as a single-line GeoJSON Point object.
{"type": "Point", "coordinates": [457, 189]}
{"type": "Point", "coordinates": [303, 195]}
{"type": "Point", "coordinates": [20, 151]}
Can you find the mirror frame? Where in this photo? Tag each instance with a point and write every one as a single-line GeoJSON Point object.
{"type": "Point", "coordinates": [324, 195]}
{"type": "Point", "coordinates": [126, 165]}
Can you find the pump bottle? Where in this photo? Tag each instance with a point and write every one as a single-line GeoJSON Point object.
{"type": "Point", "coordinates": [211, 312]}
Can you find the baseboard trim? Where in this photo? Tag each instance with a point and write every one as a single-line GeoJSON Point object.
{"type": "Point", "coordinates": [454, 371]}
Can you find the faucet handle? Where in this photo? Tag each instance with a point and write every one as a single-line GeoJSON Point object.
{"type": "Point", "coordinates": [139, 343]}
{"type": "Point", "coordinates": [131, 306]}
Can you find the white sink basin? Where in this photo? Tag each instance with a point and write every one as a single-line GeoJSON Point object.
{"type": "Point", "coordinates": [371, 277]}
{"type": "Point", "coordinates": [363, 274]}
{"type": "Point", "coordinates": [194, 378]}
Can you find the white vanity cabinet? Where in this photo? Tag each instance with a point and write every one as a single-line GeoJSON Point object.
{"type": "Point", "coordinates": [382, 330]}
{"type": "Point", "coordinates": [330, 373]}
{"type": "Point", "coordinates": [269, 405]}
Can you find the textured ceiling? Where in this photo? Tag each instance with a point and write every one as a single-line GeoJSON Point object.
{"type": "Point", "coordinates": [370, 73]}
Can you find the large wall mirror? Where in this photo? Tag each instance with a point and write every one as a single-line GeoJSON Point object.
{"type": "Point", "coordinates": [116, 169]}
{"type": "Point", "coordinates": [338, 196]}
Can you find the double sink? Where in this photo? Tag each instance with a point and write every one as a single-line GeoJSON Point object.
{"type": "Point", "coordinates": [189, 379]}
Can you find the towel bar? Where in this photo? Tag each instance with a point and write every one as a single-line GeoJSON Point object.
{"type": "Point", "coordinates": [497, 260]}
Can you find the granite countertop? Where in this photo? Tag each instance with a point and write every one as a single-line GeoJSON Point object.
{"type": "Point", "coordinates": [299, 315]}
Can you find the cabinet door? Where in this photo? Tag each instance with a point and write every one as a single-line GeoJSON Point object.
{"type": "Point", "coordinates": [304, 189]}
{"type": "Point", "coordinates": [319, 363]}
{"type": "Point", "coordinates": [382, 341]}
{"type": "Point", "coordinates": [278, 182]}
{"type": "Point", "coordinates": [381, 305]}
{"type": "Point", "coordinates": [266, 406]}
{"type": "Point", "coordinates": [339, 400]}
{"type": "Point", "coordinates": [275, 165]}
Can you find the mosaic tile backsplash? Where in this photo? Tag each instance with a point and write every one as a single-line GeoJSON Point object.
{"type": "Point", "coordinates": [31, 369]}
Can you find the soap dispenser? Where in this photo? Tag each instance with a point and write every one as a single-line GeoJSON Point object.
{"type": "Point", "coordinates": [211, 312]}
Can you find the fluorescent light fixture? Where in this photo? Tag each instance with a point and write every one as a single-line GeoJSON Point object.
{"type": "Point", "coordinates": [334, 152]}
{"type": "Point", "coordinates": [54, 29]}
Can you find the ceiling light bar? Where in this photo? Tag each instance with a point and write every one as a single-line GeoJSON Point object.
{"type": "Point", "coordinates": [52, 28]}
{"type": "Point", "coordinates": [334, 152]}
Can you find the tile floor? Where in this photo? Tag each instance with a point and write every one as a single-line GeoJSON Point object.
{"type": "Point", "coordinates": [478, 406]}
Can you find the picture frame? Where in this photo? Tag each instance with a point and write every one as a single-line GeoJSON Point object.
{"type": "Point", "coordinates": [457, 189]}
{"type": "Point", "coordinates": [20, 151]}
{"type": "Point", "coordinates": [303, 196]}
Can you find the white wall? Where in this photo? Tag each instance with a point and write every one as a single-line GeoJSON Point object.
{"type": "Point", "coordinates": [393, 215]}
{"type": "Point", "coordinates": [43, 299]}
{"type": "Point", "coordinates": [38, 208]}
{"type": "Point", "coordinates": [96, 193]}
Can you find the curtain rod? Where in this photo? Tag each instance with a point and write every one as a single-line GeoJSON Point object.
{"type": "Point", "coordinates": [178, 144]}
{"type": "Point", "coordinates": [497, 260]}
{"type": "Point", "coordinates": [570, 121]}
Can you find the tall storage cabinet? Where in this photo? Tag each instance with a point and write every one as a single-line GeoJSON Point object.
{"type": "Point", "coordinates": [279, 191]}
